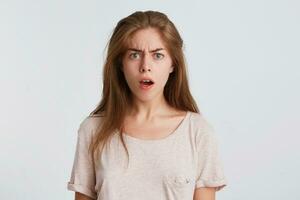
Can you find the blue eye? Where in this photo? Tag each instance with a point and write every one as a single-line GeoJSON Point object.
{"type": "Point", "coordinates": [133, 55]}
{"type": "Point", "coordinates": [136, 55]}
{"type": "Point", "coordinates": [159, 55]}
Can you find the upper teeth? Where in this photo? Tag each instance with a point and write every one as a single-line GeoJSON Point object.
{"type": "Point", "coordinates": [146, 80]}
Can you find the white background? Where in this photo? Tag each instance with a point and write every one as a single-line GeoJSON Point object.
{"type": "Point", "coordinates": [243, 66]}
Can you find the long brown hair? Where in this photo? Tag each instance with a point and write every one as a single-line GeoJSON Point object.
{"type": "Point", "coordinates": [116, 94]}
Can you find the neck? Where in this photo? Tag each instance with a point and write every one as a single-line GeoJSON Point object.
{"type": "Point", "coordinates": [147, 110]}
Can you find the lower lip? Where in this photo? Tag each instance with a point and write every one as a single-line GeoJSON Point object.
{"type": "Point", "coordinates": [146, 87]}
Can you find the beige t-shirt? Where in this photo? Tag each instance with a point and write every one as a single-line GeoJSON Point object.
{"type": "Point", "coordinates": [162, 169]}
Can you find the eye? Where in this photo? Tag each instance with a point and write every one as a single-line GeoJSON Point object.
{"type": "Point", "coordinates": [158, 56]}
{"type": "Point", "coordinates": [134, 55]}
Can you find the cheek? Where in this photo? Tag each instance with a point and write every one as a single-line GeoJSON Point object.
{"type": "Point", "coordinates": [163, 77]}
{"type": "Point", "coordinates": [127, 70]}
{"type": "Point", "coordinates": [129, 74]}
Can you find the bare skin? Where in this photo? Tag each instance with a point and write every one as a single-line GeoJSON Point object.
{"type": "Point", "coordinates": [205, 193]}
{"type": "Point", "coordinates": [157, 128]}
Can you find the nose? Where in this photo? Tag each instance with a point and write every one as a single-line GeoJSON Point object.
{"type": "Point", "coordinates": [145, 64]}
{"type": "Point", "coordinates": [144, 69]}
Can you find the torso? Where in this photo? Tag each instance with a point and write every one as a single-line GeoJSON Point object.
{"type": "Point", "coordinates": [167, 167]}
{"type": "Point", "coordinates": [156, 130]}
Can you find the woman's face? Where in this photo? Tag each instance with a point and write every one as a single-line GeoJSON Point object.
{"type": "Point", "coordinates": [146, 58]}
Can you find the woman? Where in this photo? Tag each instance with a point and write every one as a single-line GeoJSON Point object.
{"type": "Point", "coordinates": [146, 139]}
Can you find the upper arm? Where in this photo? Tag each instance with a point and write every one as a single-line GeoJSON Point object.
{"type": "Point", "coordinates": [204, 193]}
{"type": "Point", "coordinates": [210, 172]}
{"type": "Point", "coordinates": [80, 196]}
{"type": "Point", "coordinates": [83, 177]}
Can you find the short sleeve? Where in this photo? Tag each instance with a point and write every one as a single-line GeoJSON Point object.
{"type": "Point", "coordinates": [210, 171]}
{"type": "Point", "coordinates": [83, 173]}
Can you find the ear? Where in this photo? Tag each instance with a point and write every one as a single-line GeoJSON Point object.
{"type": "Point", "coordinates": [171, 69]}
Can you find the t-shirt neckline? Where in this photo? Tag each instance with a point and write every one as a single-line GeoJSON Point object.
{"type": "Point", "coordinates": [168, 137]}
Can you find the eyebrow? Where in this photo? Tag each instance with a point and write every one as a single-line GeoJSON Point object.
{"type": "Point", "coordinates": [138, 50]}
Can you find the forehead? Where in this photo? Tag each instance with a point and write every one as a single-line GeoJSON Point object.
{"type": "Point", "coordinates": [146, 39]}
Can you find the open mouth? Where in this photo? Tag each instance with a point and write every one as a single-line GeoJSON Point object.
{"type": "Point", "coordinates": [146, 82]}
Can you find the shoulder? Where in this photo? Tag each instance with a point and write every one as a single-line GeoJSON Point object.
{"type": "Point", "coordinates": [201, 126]}
{"type": "Point", "coordinates": [89, 125]}
{"type": "Point", "coordinates": [200, 122]}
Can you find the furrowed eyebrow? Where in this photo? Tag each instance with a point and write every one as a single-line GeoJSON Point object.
{"type": "Point", "coordinates": [138, 50]}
